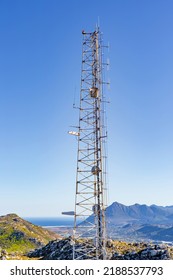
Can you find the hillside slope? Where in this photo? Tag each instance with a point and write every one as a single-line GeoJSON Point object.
{"type": "Point", "coordinates": [17, 236]}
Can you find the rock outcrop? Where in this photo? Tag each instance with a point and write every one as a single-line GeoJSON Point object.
{"type": "Point", "coordinates": [152, 252]}
{"type": "Point", "coordinates": [54, 250]}
{"type": "Point", "coordinates": [63, 250]}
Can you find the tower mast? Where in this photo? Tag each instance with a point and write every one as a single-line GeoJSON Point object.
{"type": "Point", "coordinates": [89, 216]}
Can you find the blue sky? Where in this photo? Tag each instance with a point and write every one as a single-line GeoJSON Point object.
{"type": "Point", "coordinates": [40, 63]}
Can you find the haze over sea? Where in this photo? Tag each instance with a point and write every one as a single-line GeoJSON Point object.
{"type": "Point", "coordinates": [50, 221]}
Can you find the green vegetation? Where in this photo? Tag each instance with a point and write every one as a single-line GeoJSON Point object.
{"type": "Point", "coordinates": [17, 236]}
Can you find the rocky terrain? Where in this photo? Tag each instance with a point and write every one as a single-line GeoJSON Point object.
{"type": "Point", "coordinates": [143, 229]}
{"type": "Point", "coordinates": [117, 250]}
{"type": "Point", "coordinates": [17, 237]}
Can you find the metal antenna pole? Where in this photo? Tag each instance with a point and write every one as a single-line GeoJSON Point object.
{"type": "Point", "coordinates": [89, 216]}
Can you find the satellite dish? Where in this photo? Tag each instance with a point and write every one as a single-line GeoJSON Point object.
{"type": "Point", "coordinates": [95, 170]}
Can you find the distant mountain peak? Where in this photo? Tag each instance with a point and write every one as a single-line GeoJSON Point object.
{"type": "Point", "coordinates": [118, 213]}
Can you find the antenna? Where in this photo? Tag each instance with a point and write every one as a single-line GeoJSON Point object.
{"type": "Point", "coordinates": [98, 23]}
{"type": "Point", "coordinates": [89, 235]}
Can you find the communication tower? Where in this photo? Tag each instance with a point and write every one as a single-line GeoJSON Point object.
{"type": "Point", "coordinates": [89, 234]}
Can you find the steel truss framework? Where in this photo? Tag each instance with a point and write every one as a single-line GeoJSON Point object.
{"type": "Point", "coordinates": [90, 176]}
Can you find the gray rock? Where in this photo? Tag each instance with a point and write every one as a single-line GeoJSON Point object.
{"type": "Point", "coordinates": [3, 254]}
{"type": "Point", "coordinates": [63, 250]}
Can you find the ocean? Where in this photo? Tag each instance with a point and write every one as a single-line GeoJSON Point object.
{"type": "Point", "coordinates": [51, 222]}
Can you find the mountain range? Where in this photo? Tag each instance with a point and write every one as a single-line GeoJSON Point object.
{"type": "Point", "coordinates": [139, 222]}
{"type": "Point", "coordinates": [127, 223]}
{"type": "Point", "coordinates": [118, 213]}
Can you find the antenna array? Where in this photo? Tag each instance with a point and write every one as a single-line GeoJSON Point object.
{"type": "Point", "coordinates": [89, 233]}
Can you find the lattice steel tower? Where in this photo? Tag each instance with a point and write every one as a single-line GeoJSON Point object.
{"type": "Point", "coordinates": [90, 200]}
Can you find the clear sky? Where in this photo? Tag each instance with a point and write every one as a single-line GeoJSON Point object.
{"type": "Point", "coordinates": [40, 63]}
